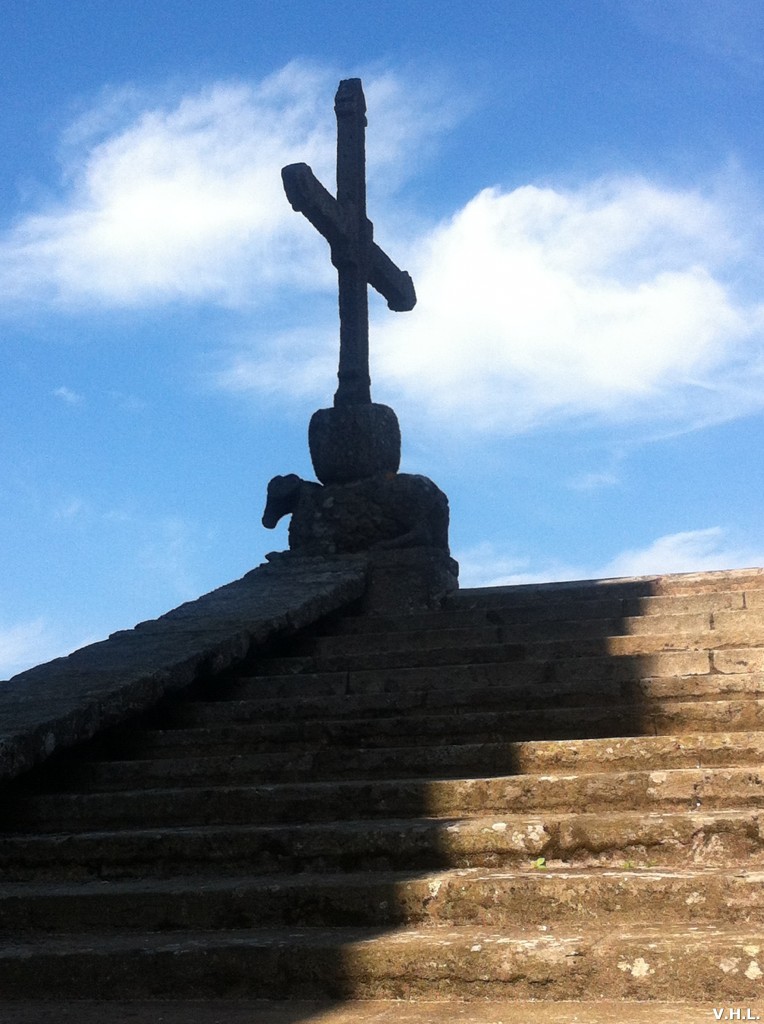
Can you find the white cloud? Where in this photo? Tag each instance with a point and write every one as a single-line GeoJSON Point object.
{"type": "Point", "coordinates": [485, 565]}
{"type": "Point", "coordinates": [29, 643]}
{"type": "Point", "coordinates": [607, 302]}
{"type": "Point", "coordinates": [67, 395]}
{"type": "Point", "coordinates": [71, 509]}
{"type": "Point", "coordinates": [184, 200]}
{"type": "Point", "coordinates": [301, 363]}
{"type": "Point", "coordinates": [610, 302]}
{"type": "Point", "coordinates": [689, 551]}
{"type": "Point", "coordinates": [168, 558]}
{"type": "Point", "coordinates": [728, 32]}
{"type": "Point", "coordinates": [593, 481]}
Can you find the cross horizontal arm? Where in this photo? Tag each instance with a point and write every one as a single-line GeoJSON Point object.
{"type": "Point", "coordinates": [308, 196]}
{"type": "Point", "coordinates": [390, 281]}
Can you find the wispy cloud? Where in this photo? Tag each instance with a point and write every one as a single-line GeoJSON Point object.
{"type": "Point", "coordinates": [604, 303]}
{"type": "Point", "coordinates": [486, 565]}
{"type": "Point", "coordinates": [67, 395]}
{"type": "Point", "coordinates": [28, 643]}
{"type": "Point", "coordinates": [183, 199]}
{"type": "Point", "coordinates": [167, 557]}
{"type": "Point", "coordinates": [593, 481]}
{"type": "Point", "coordinates": [688, 551]}
{"type": "Point", "coordinates": [613, 302]}
{"type": "Point", "coordinates": [728, 32]}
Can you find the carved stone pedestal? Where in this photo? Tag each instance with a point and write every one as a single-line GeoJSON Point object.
{"type": "Point", "coordinates": [397, 522]}
{"type": "Point", "coordinates": [387, 511]}
{"type": "Point", "coordinates": [409, 580]}
{"type": "Point", "coordinates": [352, 442]}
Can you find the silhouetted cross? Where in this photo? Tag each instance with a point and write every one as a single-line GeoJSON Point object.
{"type": "Point", "coordinates": [358, 259]}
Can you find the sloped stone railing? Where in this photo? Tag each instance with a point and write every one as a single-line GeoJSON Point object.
{"type": "Point", "coordinates": [68, 700]}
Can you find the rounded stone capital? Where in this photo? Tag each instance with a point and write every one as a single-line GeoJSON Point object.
{"type": "Point", "coordinates": [353, 442]}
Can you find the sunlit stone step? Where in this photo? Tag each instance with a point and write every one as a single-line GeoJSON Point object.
{"type": "Point", "coordinates": [699, 962]}
{"type": "Point", "coordinates": [540, 897]}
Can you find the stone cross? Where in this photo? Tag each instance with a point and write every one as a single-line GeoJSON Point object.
{"type": "Point", "coordinates": [358, 259]}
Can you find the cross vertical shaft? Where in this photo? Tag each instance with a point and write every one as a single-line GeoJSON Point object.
{"type": "Point", "coordinates": [352, 259]}
{"type": "Point", "coordinates": [350, 234]}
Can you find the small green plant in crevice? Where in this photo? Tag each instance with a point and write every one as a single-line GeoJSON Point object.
{"type": "Point", "coordinates": [540, 864]}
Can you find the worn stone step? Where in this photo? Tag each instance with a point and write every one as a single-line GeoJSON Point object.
{"type": "Point", "coordinates": [677, 839]}
{"type": "Point", "coordinates": [558, 660]}
{"type": "Point", "coordinates": [491, 646]}
{"type": "Point", "coordinates": [708, 629]}
{"type": "Point", "coordinates": [198, 803]}
{"type": "Point", "coordinates": [550, 611]}
{"type": "Point", "coordinates": [287, 676]}
{"type": "Point", "coordinates": [232, 723]}
{"type": "Point", "coordinates": [485, 695]}
{"type": "Point", "coordinates": [672, 718]}
{"type": "Point", "coordinates": [367, 1011]}
{"type": "Point", "coordinates": [748, 581]}
{"type": "Point", "coordinates": [344, 694]}
{"type": "Point", "coordinates": [388, 675]}
{"type": "Point", "coordinates": [481, 689]}
{"type": "Point", "coordinates": [711, 963]}
{"type": "Point", "coordinates": [535, 757]}
{"type": "Point", "coordinates": [555, 898]}
{"type": "Point", "coordinates": [460, 633]}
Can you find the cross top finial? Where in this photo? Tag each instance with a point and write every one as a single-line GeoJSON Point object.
{"type": "Point", "coordinates": [350, 234]}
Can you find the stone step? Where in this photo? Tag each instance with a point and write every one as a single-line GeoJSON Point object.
{"type": "Point", "coordinates": [496, 899]}
{"type": "Point", "coordinates": [369, 1011]}
{"type": "Point", "coordinates": [554, 725]}
{"type": "Point", "coordinates": [382, 671]}
{"type": "Point", "coordinates": [714, 963]}
{"type": "Point", "coordinates": [480, 694]}
{"type": "Point", "coordinates": [349, 652]}
{"type": "Point", "coordinates": [563, 659]}
{"type": "Point", "coordinates": [605, 839]}
{"type": "Point", "coordinates": [460, 633]}
{"type": "Point", "coordinates": [412, 686]}
{"type": "Point", "coordinates": [219, 804]}
{"type": "Point", "coordinates": [550, 611]}
{"type": "Point", "coordinates": [294, 677]}
{"type": "Point", "coordinates": [232, 723]}
{"type": "Point", "coordinates": [710, 629]}
{"type": "Point", "coordinates": [748, 581]}
{"type": "Point", "coordinates": [534, 757]}
{"type": "Point", "coordinates": [371, 811]}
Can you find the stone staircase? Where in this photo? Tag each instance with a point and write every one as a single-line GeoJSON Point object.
{"type": "Point", "coordinates": [546, 793]}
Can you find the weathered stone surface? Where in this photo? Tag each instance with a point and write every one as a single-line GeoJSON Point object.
{"type": "Point", "coordinates": [402, 510]}
{"type": "Point", "coordinates": [409, 963]}
{"type": "Point", "coordinates": [349, 817]}
{"type": "Point", "coordinates": [344, 224]}
{"type": "Point", "coordinates": [353, 442]}
{"type": "Point", "coordinates": [398, 520]}
{"type": "Point", "coordinates": [70, 699]}
{"type": "Point", "coordinates": [408, 579]}
{"type": "Point", "coordinates": [366, 1011]}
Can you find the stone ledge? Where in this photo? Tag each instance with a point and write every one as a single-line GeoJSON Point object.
{"type": "Point", "coordinates": [253, 1011]}
{"type": "Point", "coordinates": [68, 700]}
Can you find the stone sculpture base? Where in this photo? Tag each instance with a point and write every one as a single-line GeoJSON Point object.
{"type": "Point", "coordinates": [396, 522]}
{"type": "Point", "coordinates": [397, 581]}
{"type": "Point", "coordinates": [353, 442]}
{"type": "Point", "coordinates": [409, 580]}
{"type": "Point", "coordinates": [390, 510]}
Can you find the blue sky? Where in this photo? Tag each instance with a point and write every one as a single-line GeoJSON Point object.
{"type": "Point", "coordinates": [575, 185]}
